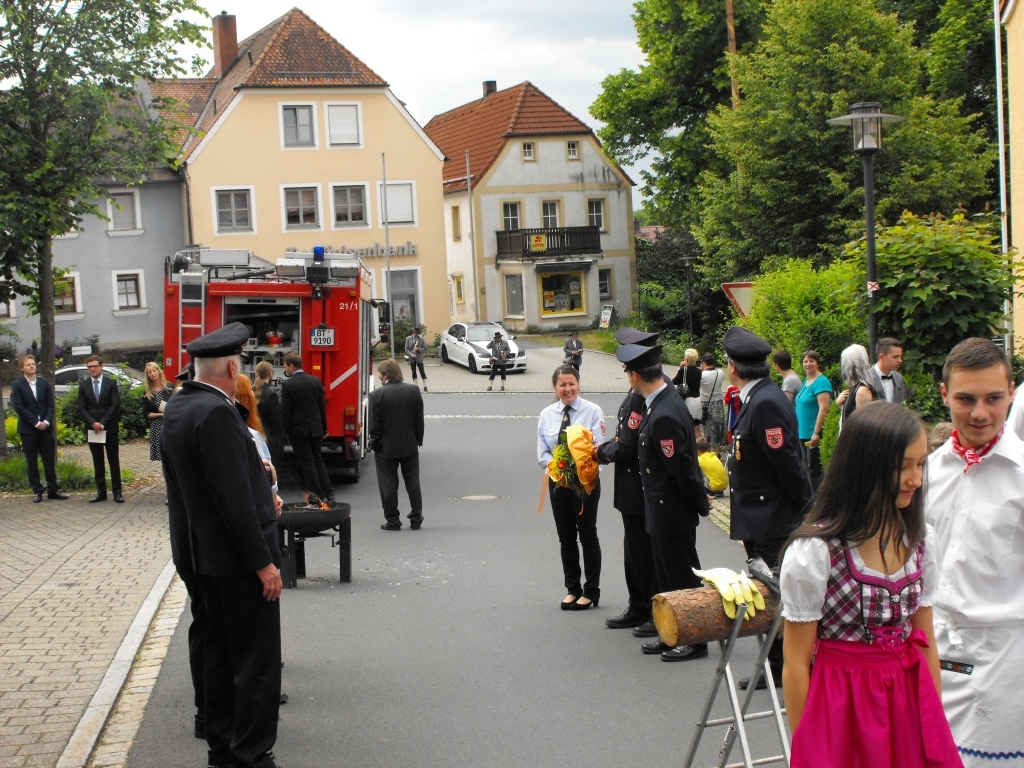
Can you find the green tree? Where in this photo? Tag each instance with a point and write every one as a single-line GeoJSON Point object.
{"type": "Point", "coordinates": [71, 117]}
{"type": "Point", "coordinates": [794, 188]}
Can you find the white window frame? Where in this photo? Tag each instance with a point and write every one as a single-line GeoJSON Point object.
{"type": "Point", "coordinates": [519, 215]}
{"type": "Point", "coordinates": [572, 150]}
{"type": "Point", "coordinates": [327, 123]}
{"type": "Point", "coordinates": [380, 204]}
{"type": "Point", "coordinates": [11, 311]}
{"type": "Point", "coordinates": [251, 189]}
{"type": "Point", "coordinates": [528, 151]}
{"type": "Point", "coordinates": [318, 207]}
{"type": "Point", "coordinates": [604, 212]}
{"type": "Point", "coordinates": [79, 313]}
{"type": "Point", "coordinates": [367, 207]}
{"type": "Point", "coordinates": [140, 275]}
{"type": "Point", "coordinates": [544, 217]}
{"type": "Point", "coordinates": [314, 117]}
{"type": "Point", "coordinates": [138, 230]}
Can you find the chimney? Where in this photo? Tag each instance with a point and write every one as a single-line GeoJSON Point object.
{"type": "Point", "coordinates": [225, 43]}
{"type": "Point", "coordinates": [490, 86]}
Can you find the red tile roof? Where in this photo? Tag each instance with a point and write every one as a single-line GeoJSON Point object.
{"type": "Point", "coordinates": [483, 126]}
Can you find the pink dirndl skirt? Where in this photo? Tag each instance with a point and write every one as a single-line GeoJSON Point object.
{"type": "Point", "coordinates": [872, 706]}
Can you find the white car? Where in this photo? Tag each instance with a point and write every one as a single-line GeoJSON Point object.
{"type": "Point", "coordinates": [466, 344]}
{"type": "Point", "coordinates": [66, 378]}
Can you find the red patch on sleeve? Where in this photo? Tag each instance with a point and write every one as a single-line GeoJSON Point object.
{"type": "Point", "coordinates": [634, 420]}
{"type": "Point", "coordinates": [774, 437]}
{"type": "Point", "coordinates": [668, 447]}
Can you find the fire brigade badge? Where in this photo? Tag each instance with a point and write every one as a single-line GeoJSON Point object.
{"type": "Point", "coordinates": [668, 447]}
{"type": "Point", "coordinates": [774, 437]}
{"type": "Point", "coordinates": [634, 420]}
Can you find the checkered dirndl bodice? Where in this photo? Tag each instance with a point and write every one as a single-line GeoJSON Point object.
{"type": "Point", "coordinates": [871, 609]}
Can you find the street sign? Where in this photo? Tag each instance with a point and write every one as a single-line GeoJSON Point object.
{"type": "Point", "coordinates": [83, 350]}
{"type": "Point", "coordinates": [741, 295]}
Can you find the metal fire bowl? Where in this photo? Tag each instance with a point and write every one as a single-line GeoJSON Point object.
{"type": "Point", "coordinates": [302, 520]}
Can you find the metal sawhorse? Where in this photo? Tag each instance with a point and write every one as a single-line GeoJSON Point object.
{"type": "Point", "coordinates": [739, 711]}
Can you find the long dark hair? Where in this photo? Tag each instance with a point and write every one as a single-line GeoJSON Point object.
{"type": "Point", "coordinates": [857, 497]}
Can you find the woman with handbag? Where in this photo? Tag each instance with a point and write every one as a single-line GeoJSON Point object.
{"type": "Point", "coordinates": [712, 417]}
{"type": "Point", "coordinates": [687, 381]}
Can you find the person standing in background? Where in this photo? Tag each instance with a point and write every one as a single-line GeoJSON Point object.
{"type": "Point", "coordinates": [812, 404]}
{"type": "Point", "coordinates": [687, 381]}
{"type": "Point", "coordinates": [500, 354]}
{"type": "Point", "coordinates": [395, 437]}
{"type": "Point", "coordinates": [269, 410]}
{"type": "Point", "coordinates": [32, 399]}
{"type": "Point", "coordinates": [415, 346]}
{"type": "Point", "coordinates": [890, 358]}
{"type": "Point", "coordinates": [791, 383]}
{"type": "Point", "coordinates": [304, 415]}
{"type": "Point", "coordinates": [712, 402]}
{"type": "Point", "coordinates": [573, 349]}
{"type": "Point", "coordinates": [153, 403]}
{"type": "Point", "coordinates": [99, 403]}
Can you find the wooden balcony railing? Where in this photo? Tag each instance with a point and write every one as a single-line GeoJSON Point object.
{"type": "Point", "coordinates": [555, 241]}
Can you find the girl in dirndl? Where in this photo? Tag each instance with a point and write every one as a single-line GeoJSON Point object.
{"type": "Point", "coordinates": [861, 675]}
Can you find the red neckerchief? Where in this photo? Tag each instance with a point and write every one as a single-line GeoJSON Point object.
{"type": "Point", "coordinates": [974, 455]}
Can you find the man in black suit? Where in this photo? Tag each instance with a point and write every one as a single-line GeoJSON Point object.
{"type": "Point", "coordinates": [887, 369]}
{"type": "Point", "coordinates": [768, 484]}
{"type": "Point", "coordinates": [99, 402]}
{"type": "Point", "coordinates": [396, 435]}
{"type": "Point", "coordinates": [304, 415]}
{"type": "Point", "coordinates": [223, 526]}
{"type": "Point", "coordinates": [674, 497]}
{"type": "Point", "coordinates": [32, 400]}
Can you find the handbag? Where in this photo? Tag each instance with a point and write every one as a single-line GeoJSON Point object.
{"type": "Point", "coordinates": [705, 404]}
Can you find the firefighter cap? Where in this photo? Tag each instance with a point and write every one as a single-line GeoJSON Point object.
{"type": "Point", "coordinates": [636, 357]}
{"type": "Point", "coordinates": [629, 335]}
{"type": "Point", "coordinates": [223, 342]}
{"type": "Point", "coordinates": [744, 346]}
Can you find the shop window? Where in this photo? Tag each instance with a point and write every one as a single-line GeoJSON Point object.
{"type": "Point", "coordinates": [514, 295]}
{"type": "Point", "coordinates": [562, 294]}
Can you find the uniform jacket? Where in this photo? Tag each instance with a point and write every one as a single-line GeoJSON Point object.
{"type": "Point", "coordinates": [32, 408]}
{"type": "Point", "coordinates": [396, 420]}
{"type": "Point", "coordinates": [768, 484]}
{"type": "Point", "coordinates": [622, 450]}
{"type": "Point", "coordinates": [415, 348]}
{"type": "Point", "coordinates": [674, 497]}
{"type": "Point", "coordinates": [501, 350]}
{"type": "Point", "coordinates": [220, 506]}
{"type": "Point", "coordinates": [107, 411]}
{"type": "Point", "coordinates": [303, 409]}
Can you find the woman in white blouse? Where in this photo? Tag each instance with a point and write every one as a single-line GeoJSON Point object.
{"type": "Point", "coordinates": [858, 585]}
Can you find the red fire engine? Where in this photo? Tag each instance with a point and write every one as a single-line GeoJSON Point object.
{"type": "Point", "coordinates": [317, 304]}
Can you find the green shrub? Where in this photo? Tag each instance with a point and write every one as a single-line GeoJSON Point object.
{"type": "Point", "coordinates": [829, 435]}
{"type": "Point", "coordinates": [65, 435]}
{"type": "Point", "coordinates": [71, 475]}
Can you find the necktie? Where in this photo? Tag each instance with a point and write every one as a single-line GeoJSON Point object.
{"type": "Point", "coordinates": [565, 419]}
{"type": "Point", "coordinates": [96, 388]}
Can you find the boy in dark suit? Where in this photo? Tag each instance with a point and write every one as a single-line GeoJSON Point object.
{"type": "Point", "coordinates": [99, 402]}
{"type": "Point", "coordinates": [32, 399]}
{"type": "Point", "coordinates": [304, 414]}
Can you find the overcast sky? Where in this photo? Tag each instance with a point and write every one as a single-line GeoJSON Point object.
{"type": "Point", "coordinates": [436, 53]}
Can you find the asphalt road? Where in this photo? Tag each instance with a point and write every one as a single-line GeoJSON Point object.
{"type": "Point", "coordinates": [448, 648]}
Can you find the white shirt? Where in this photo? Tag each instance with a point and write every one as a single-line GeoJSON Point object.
{"type": "Point", "coordinates": [1015, 421]}
{"type": "Point", "coordinates": [582, 413]}
{"type": "Point", "coordinates": [888, 385]}
{"type": "Point", "coordinates": [264, 451]}
{"type": "Point", "coordinates": [979, 521]}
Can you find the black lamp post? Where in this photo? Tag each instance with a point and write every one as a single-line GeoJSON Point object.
{"type": "Point", "coordinates": [867, 120]}
{"type": "Point", "coordinates": [688, 261]}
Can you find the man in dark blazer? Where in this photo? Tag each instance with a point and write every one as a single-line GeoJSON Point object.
{"type": "Point", "coordinates": [768, 484]}
{"type": "Point", "coordinates": [674, 497]}
{"type": "Point", "coordinates": [304, 415]}
{"type": "Point", "coordinates": [32, 400]}
{"type": "Point", "coordinates": [396, 435]}
{"type": "Point", "coordinates": [223, 527]}
{"type": "Point", "coordinates": [99, 402]}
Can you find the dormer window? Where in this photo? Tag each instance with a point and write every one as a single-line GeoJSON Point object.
{"type": "Point", "coordinates": [527, 150]}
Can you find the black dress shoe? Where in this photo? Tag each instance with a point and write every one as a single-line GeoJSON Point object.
{"type": "Point", "coordinates": [686, 652]}
{"type": "Point", "coordinates": [581, 606]}
{"type": "Point", "coordinates": [37, 498]}
{"type": "Point", "coordinates": [762, 684]}
{"type": "Point", "coordinates": [391, 527]}
{"type": "Point", "coordinates": [118, 498]}
{"type": "Point", "coordinates": [647, 629]}
{"type": "Point", "coordinates": [415, 525]}
{"type": "Point", "coordinates": [98, 497]}
{"type": "Point", "coordinates": [628, 618]}
{"type": "Point", "coordinates": [284, 698]}
{"type": "Point", "coordinates": [567, 604]}
{"type": "Point", "coordinates": [57, 495]}
{"type": "Point", "coordinates": [658, 646]}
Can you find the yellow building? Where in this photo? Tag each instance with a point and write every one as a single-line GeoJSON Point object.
{"type": "Point", "coordinates": [295, 135]}
{"type": "Point", "coordinates": [1014, 24]}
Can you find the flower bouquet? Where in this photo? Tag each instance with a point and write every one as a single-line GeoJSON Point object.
{"type": "Point", "coordinates": [572, 464]}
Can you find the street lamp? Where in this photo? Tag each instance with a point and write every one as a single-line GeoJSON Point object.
{"type": "Point", "coordinates": [867, 120]}
{"type": "Point", "coordinates": [688, 261]}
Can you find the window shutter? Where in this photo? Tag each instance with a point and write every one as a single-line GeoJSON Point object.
{"type": "Point", "coordinates": [399, 198]}
{"type": "Point", "coordinates": [344, 123]}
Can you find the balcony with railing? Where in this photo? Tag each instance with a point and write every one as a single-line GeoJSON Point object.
{"type": "Point", "coordinates": [548, 242]}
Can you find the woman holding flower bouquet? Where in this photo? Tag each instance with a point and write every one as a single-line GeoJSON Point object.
{"type": "Point", "coordinates": [566, 433]}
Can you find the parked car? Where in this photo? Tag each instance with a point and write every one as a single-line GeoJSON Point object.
{"type": "Point", "coordinates": [466, 344]}
{"type": "Point", "coordinates": [65, 378]}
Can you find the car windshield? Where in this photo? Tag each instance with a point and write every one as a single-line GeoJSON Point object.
{"type": "Point", "coordinates": [485, 334]}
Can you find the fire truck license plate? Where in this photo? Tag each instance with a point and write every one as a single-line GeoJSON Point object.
{"type": "Point", "coordinates": [321, 337]}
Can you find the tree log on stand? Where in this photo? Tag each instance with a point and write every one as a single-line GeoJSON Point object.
{"type": "Point", "coordinates": [694, 616]}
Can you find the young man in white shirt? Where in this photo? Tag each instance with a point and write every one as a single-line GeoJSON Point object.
{"type": "Point", "coordinates": [975, 502]}
{"type": "Point", "coordinates": [890, 357]}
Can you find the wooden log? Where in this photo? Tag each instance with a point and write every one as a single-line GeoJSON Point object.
{"type": "Point", "coordinates": [692, 616]}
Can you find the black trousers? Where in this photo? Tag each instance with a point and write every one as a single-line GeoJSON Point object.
{"type": "Point", "coordinates": [565, 507]}
{"type": "Point", "coordinates": [196, 634]}
{"type": "Point", "coordinates": [312, 470]}
{"type": "Point", "coordinates": [414, 364]}
{"type": "Point", "coordinates": [112, 450]}
{"type": "Point", "coordinates": [496, 368]}
{"type": "Point", "coordinates": [675, 557]}
{"type": "Point", "coordinates": [41, 444]}
{"type": "Point", "coordinates": [242, 670]}
{"type": "Point", "coordinates": [387, 484]}
{"type": "Point", "coordinates": [812, 460]}
{"type": "Point", "coordinates": [638, 561]}
{"type": "Point", "coordinates": [768, 550]}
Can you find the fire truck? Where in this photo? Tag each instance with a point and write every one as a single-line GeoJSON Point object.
{"type": "Point", "coordinates": [317, 304]}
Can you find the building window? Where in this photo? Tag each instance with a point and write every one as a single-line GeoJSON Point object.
{"type": "Point", "coordinates": [562, 293]}
{"type": "Point", "coordinates": [514, 295]}
{"type": "Point", "coordinates": [510, 216]}
{"type": "Point", "coordinates": [549, 212]}
{"type": "Point", "coordinates": [234, 210]}
{"type": "Point", "coordinates": [572, 150]}
{"type": "Point", "coordinates": [349, 205]}
{"type": "Point", "coordinates": [5, 309]}
{"type": "Point", "coordinates": [128, 291]}
{"type": "Point", "coordinates": [527, 150]}
{"type": "Point", "coordinates": [456, 223]}
{"type": "Point", "coordinates": [343, 125]}
{"type": "Point", "coordinates": [298, 126]}
{"type": "Point", "coordinates": [301, 208]}
{"type": "Point", "coordinates": [400, 203]}
{"type": "Point", "coordinates": [404, 294]}
{"type": "Point", "coordinates": [459, 296]}
{"type": "Point", "coordinates": [604, 283]}
{"type": "Point", "coordinates": [65, 296]}
{"type": "Point", "coordinates": [595, 213]}
{"type": "Point", "coordinates": [123, 209]}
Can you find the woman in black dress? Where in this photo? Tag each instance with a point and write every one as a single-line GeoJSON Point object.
{"type": "Point", "coordinates": [269, 410]}
{"type": "Point", "coordinates": [156, 397]}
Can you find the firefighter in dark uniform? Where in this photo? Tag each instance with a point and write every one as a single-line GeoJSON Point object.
{"type": "Point", "coordinates": [637, 559]}
{"type": "Point", "coordinates": [768, 484]}
{"type": "Point", "coordinates": [224, 524]}
{"type": "Point", "coordinates": [673, 486]}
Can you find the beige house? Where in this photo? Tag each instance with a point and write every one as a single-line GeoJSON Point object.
{"type": "Point", "coordinates": [294, 136]}
{"type": "Point", "coordinates": [550, 241]}
{"type": "Point", "coordinates": [1014, 24]}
